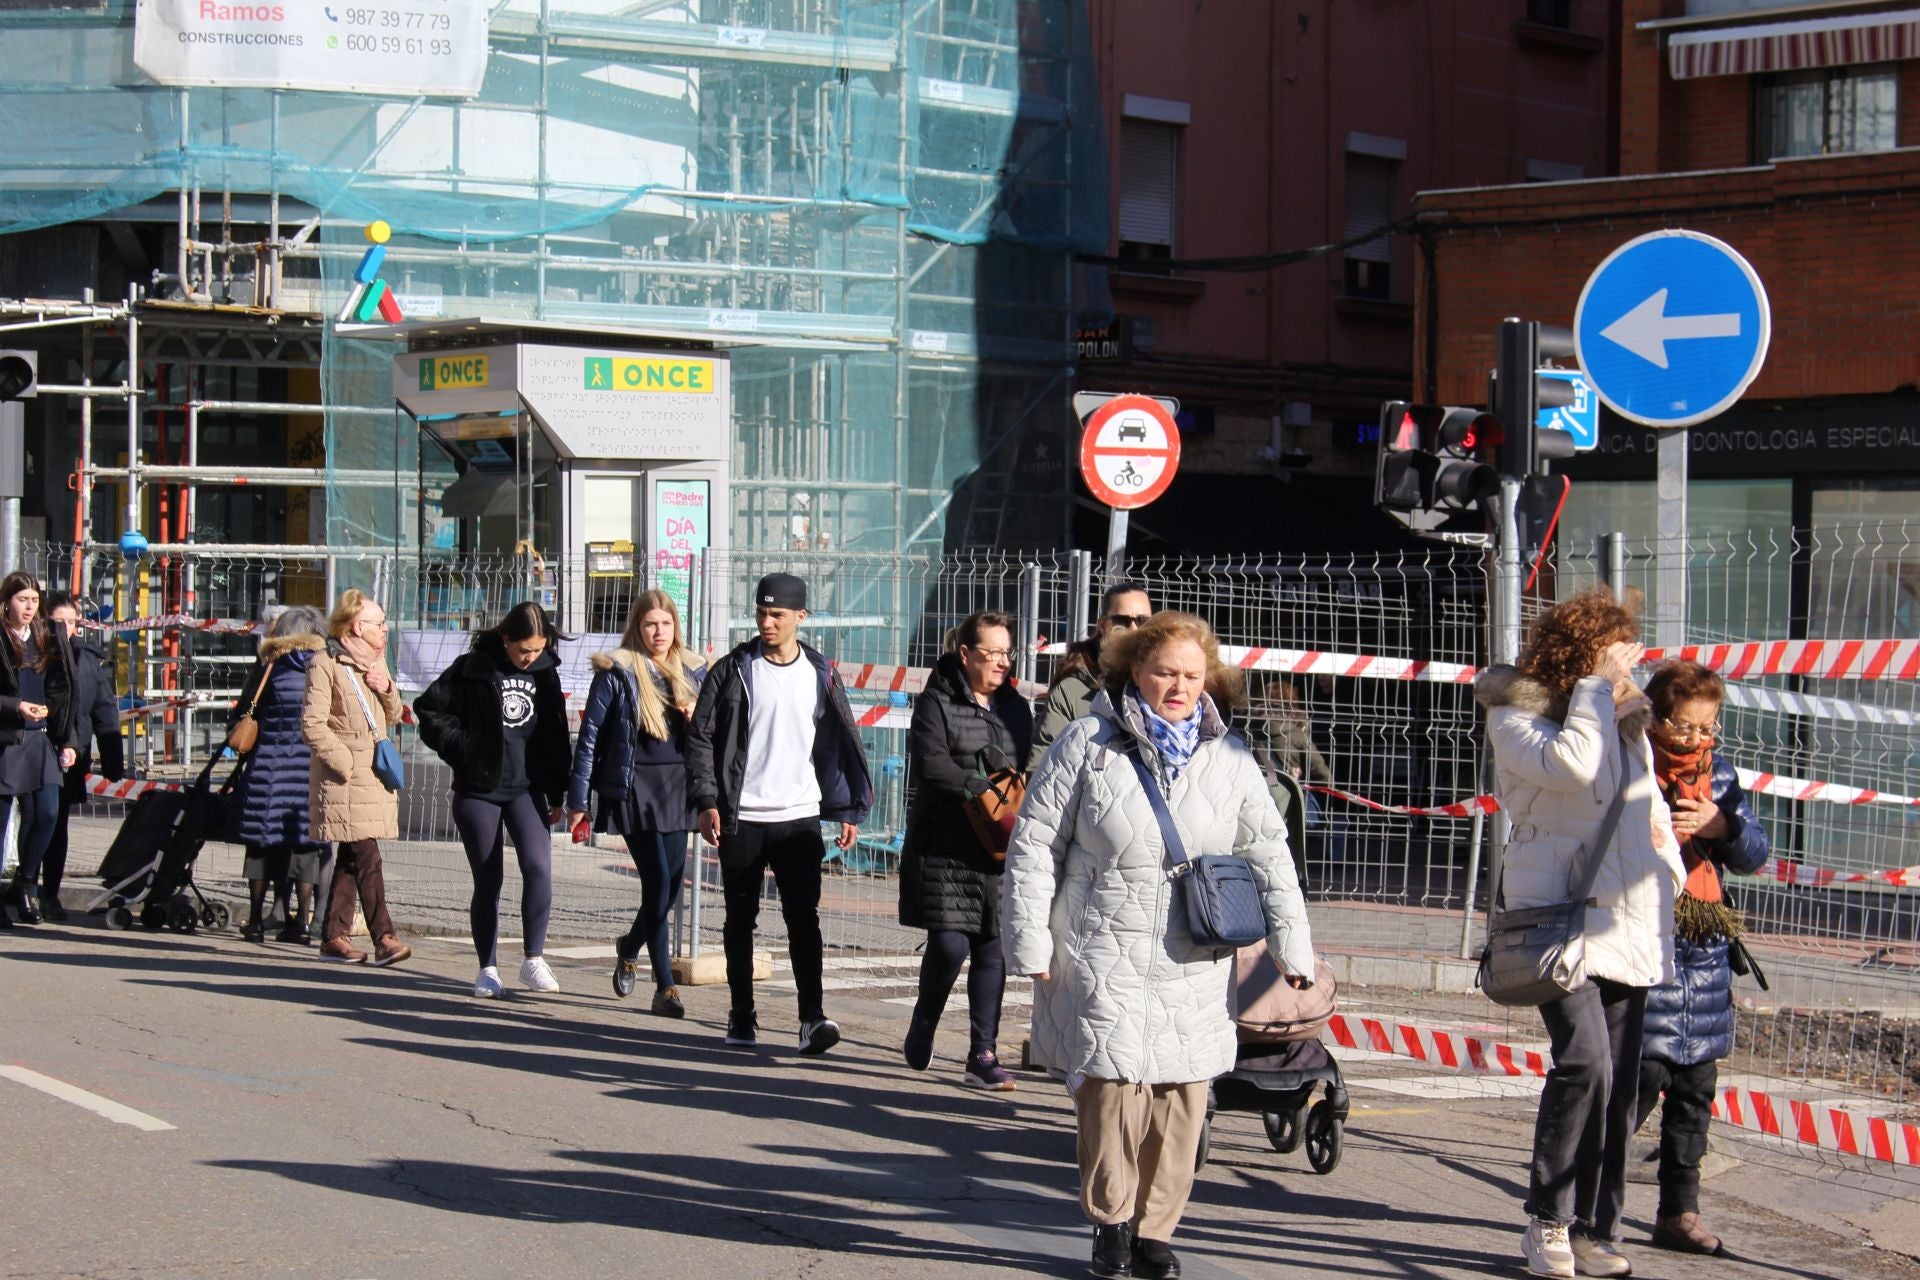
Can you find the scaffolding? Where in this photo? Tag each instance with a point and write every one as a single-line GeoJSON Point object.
{"type": "Point", "coordinates": [877, 197]}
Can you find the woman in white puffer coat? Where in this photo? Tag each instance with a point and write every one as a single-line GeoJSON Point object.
{"type": "Point", "coordinates": [1569, 733]}
{"type": "Point", "coordinates": [1126, 1006]}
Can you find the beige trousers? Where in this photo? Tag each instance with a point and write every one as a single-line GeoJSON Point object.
{"type": "Point", "coordinates": [1138, 1143]}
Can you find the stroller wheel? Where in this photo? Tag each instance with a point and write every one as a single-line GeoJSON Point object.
{"type": "Point", "coordinates": [119, 918]}
{"type": "Point", "coordinates": [216, 915]}
{"type": "Point", "coordinates": [1323, 1137]}
{"type": "Point", "coordinates": [1285, 1128]}
{"type": "Point", "coordinates": [181, 917]}
{"type": "Point", "coordinates": [153, 916]}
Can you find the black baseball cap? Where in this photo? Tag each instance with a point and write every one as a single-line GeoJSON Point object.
{"type": "Point", "coordinates": [781, 591]}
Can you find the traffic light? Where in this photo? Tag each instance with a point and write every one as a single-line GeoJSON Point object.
{"type": "Point", "coordinates": [1430, 457]}
{"type": "Point", "coordinates": [1520, 393]}
{"type": "Point", "coordinates": [18, 372]}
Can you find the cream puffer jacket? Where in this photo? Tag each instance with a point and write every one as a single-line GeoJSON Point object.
{"type": "Point", "coordinates": [346, 800]}
{"type": "Point", "coordinates": [1558, 763]}
{"type": "Point", "coordinates": [1129, 995]}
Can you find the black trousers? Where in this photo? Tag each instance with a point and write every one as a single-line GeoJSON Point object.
{"type": "Point", "coordinates": [484, 827]}
{"type": "Point", "coordinates": [1683, 1126]}
{"type": "Point", "coordinates": [1579, 1174]}
{"type": "Point", "coordinates": [793, 851]}
{"type": "Point", "coordinates": [986, 982]}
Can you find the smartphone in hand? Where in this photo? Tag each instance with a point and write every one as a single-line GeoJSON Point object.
{"type": "Point", "coordinates": [582, 830]}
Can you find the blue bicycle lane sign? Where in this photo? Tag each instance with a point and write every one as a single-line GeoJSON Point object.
{"type": "Point", "coordinates": [1672, 328]}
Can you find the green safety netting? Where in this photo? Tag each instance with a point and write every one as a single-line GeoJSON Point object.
{"type": "Point", "coordinates": [893, 201]}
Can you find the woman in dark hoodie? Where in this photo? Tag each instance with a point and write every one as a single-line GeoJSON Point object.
{"type": "Point", "coordinates": [269, 806]}
{"type": "Point", "coordinates": [37, 738]}
{"type": "Point", "coordinates": [96, 724]}
{"type": "Point", "coordinates": [969, 723]}
{"type": "Point", "coordinates": [498, 718]}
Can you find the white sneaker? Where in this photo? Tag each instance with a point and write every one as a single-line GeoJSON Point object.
{"type": "Point", "coordinates": [1547, 1249]}
{"type": "Point", "coordinates": [1599, 1258]}
{"type": "Point", "coordinates": [536, 976]}
{"type": "Point", "coordinates": [487, 984]}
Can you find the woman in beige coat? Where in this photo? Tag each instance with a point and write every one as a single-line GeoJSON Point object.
{"type": "Point", "coordinates": [348, 805]}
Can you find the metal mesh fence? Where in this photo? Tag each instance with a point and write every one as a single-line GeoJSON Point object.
{"type": "Point", "coordinates": [1328, 641]}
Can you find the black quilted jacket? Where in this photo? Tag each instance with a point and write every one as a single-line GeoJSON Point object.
{"type": "Point", "coordinates": [947, 878]}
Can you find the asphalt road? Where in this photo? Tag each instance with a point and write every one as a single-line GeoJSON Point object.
{"type": "Point", "coordinates": [361, 1124]}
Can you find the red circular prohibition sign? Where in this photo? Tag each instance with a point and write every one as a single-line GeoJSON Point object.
{"type": "Point", "coordinates": [1122, 446]}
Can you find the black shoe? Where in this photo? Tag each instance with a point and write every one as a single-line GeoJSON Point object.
{"type": "Point", "coordinates": [50, 909]}
{"type": "Point", "coordinates": [742, 1029]}
{"type": "Point", "coordinates": [1113, 1250]}
{"type": "Point", "coordinates": [919, 1046]}
{"type": "Point", "coordinates": [1155, 1260]}
{"type": "Point", "coordinates": [24, 907]}
{"type": "Point", "coordinates": [818, 1036]}
{"type": "Point", "coordinates": [253, 931]}
{"type": "Point", "coordinates": [291, 934]}
{"type": "Point", "coordinates": [667, 1004]}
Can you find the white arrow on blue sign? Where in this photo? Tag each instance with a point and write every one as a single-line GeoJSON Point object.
{"type": "Point", "coordinates": [1672, 328]}
{"type": "Point", "coordinates": [1581, 419]}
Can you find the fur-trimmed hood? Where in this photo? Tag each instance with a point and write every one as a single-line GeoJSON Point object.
{"type": "Point", "coordinates": [1506, 686]}
{"type": "Point", "coordinates": [275, 648]}
{"type": "Point", "coordinates": [631, 659]}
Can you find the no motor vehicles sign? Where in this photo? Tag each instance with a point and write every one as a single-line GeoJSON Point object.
{"type": "Point", "coordinates": [1129, 451]}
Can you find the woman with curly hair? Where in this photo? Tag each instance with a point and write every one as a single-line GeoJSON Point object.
{"type": "Point", "coordinates": [1569, 734]}
{"type": "Point", "coordinates": [1126, 1005]}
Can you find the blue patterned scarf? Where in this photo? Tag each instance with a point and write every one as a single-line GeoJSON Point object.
{"type": "Point", "coordinates": [1175, 740]}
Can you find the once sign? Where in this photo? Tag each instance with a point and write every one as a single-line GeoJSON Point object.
{"type": "Point", "coordinates": [1129, 451]}
{"type": "Point", "coordinates": [1672, 328]}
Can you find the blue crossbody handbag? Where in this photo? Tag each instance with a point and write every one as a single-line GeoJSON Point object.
{"type": "Point", "coordinates": [1216, 892]}
{"type": "Point", "coordinates": [387, 764]}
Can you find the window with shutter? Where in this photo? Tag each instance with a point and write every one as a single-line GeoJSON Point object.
{"type": "Point", "coordinates": [1370, 193]}
{"type": "Point", "coordinates": [1149, 159]}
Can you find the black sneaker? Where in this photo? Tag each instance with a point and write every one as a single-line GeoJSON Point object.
{"type": "Point", "coordinates": [253, 931]}
{"type": "Point", "coordinates": [742, 1029]}
{"type": "Point", "coordinates": [51, 909]}
{"type": "Point", "coordinates": [818, 1036]}
{"type": "Point", "coordinates": [918, 1050]}
{"type": "Point", "coordinates": [1155, 1259]}
{"type": "Point", "coordinates": [1113, 1250]}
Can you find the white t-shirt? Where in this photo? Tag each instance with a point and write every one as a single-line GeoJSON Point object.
{"type": "Point", "coordinates": [780, 784]}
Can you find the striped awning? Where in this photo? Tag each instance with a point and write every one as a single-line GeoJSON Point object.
{"type": "Point", "coordinates": [1795, 46]}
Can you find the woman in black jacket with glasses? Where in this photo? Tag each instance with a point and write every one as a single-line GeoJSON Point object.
{"type": "Point", "coordinates": [37, 739]}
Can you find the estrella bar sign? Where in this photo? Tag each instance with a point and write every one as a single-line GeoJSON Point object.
{"type": "Point", "coordinates": [648, 375]}
{"type": "Point", "coordinates": [454, 373]}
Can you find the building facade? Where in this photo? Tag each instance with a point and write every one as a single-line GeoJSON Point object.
{"type": "Point", "coordinates": [1242, 136]}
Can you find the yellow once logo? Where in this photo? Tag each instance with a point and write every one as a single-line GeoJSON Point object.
{"type": "Point", "coordinates": [453, 373]}
{"type": "Point", "coordinates": [657, 375]}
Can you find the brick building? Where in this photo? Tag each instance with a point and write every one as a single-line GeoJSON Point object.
{"type": "Point", "coordinates": [1250, 131]}
{"type": "Point", "coordinates": [1792, 132]}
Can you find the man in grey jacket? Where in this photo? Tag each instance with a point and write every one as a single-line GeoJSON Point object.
{"type": "Point", "coordinates": [1076, 677]}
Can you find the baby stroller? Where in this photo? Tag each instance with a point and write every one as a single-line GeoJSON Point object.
{"type": "Point", "coordinates": [1281, 1061]}
{"type": "Point", "coordinates": [149, 866]}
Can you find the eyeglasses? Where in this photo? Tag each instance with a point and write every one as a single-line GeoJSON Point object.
{"type": "Point", "coordinates": [1129, 620]}
{"type": "Point", "coordinates": [376, 622]}
{"type": "Point", "coordinates": [993, 655]}
{"type": "Point", "coordinates": [1690, 732]}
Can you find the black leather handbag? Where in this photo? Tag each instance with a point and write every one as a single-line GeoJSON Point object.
{"type": "Point", "coordinates": [1537, 955]}
{"type": "Point", "coordinates": [1217, 892]}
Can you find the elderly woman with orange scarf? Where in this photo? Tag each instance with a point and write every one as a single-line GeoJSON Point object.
{"type": "Point", "coordinates": [1689, 1021]}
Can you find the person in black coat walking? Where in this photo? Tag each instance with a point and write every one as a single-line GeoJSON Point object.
{"type": "Point", "coordinates": [970, 722]}
{"type": "Point", "coordinates": [497, 716]}
{"type": "Point", "coordinates": [632, 755]}
{"type": "Point", "coordinates": [269, 804]}
{"type": "Point", "coordinates": [96, 722]}
{"type": "Point", "coordinates": [37, 737]}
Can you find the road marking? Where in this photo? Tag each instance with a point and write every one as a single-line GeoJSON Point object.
{"type": "Point", "coordinates": [106, 1108]}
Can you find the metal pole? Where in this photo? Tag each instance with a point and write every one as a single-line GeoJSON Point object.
{"type": "Point", "coordinates": [1506, 645]}
{"type": "Point", "coordinates": [1116, 545]}
{"type": "Point", "coordinates": [698, 860]}
{"type": "Point", "coordinates": [1079, 588]}
{"type": "Point", "coordinates": [1670, 551]}
{"type": "Point", "coordinates": [1613, 564]}
{"type": "Point", "coordinates": [1027, 659]}
{"type": "Point", "coordinates": [10, 531]}
{"type": "Point", "coordinates": [1474, 838]}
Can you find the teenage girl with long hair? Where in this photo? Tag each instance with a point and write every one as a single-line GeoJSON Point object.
{"type": "Point", "coordinates": [632, 754]}
{"type": "Point", "coordinates": [37, 737]}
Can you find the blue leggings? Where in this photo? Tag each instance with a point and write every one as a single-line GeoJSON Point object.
{"type": "Point", "coordinates": [39, 811]}
{"type": "Point", "coordinates": [660, 858]}
{"type": "Point", "coordinates": [481, 824]}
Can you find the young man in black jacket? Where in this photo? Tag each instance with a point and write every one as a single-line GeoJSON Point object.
{"type": "Point", "coordinates": [771, 753]}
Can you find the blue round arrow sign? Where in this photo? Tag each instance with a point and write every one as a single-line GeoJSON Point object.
{"type": "Point", "coordinates": [1672, 328]}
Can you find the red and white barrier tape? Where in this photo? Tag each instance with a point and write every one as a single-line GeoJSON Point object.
{"type": "Point", "coordinates": [129, 789]}
{"type": "Point", "coordinates": [1458, 809]}
{"type": "Point", "coordinates": [1828, 1128]}
{"type": "Point", "coordinates": [1805, 792]}
{"type": "Point", "coordinates": [181, 622]}
{"type": "Point", "coordinates": [1818, 659]}
{"type": "Point", "coordinates": [1779, 702]}
{"type": "Point", "coordinates": [1786, 871]}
